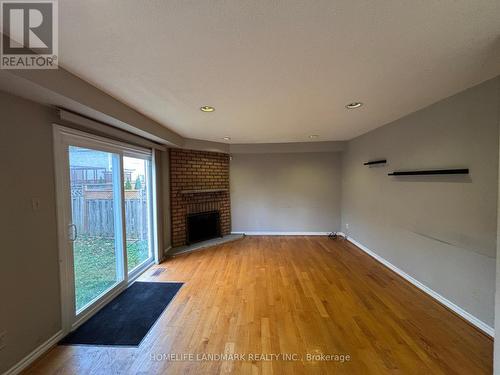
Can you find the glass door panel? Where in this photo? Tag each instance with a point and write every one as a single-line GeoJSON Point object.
{"type": "Point", "coordinates": [138, 211]}
{"type": "Point", "coordinates": [105, 219]}
{"type": "Point", "coordinates": [96, 229]}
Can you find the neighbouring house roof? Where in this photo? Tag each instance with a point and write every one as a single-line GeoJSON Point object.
{"type": "Point", "coordinates": [85, 158]}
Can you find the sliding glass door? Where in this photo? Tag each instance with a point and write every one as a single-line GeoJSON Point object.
{"type": "Point", "coordinates": [105, 199]}
{"type": "Point", "coordinates": [96, 223]}
{"type": "Point", "coordinates": [138, 212]}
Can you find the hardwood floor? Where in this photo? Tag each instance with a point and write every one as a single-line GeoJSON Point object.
{"type": "Point", "coordinates": [295, 295]}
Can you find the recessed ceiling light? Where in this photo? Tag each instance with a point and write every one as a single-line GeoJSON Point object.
{"type": "Point", "coordinates": [354, 105]}
{"type": "Point", "coordinates": [227, 138]}
{"type": "Point", "coordinates": [207, 108]}
{"type": "Point", "coordinates": [313, 136]}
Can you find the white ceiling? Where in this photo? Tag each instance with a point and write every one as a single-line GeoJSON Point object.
{"type": "Point", "coordinates": [278, 71]}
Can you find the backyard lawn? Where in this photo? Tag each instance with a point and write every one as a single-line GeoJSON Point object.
{"type": "Point", "coordinates": [95, 266]}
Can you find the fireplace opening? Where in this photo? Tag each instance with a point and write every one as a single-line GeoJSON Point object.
{"type": "Point", "coordinates": [202, 226]}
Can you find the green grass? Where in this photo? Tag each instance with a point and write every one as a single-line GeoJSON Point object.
{"type": "Point", "coordinates": [137, 252]}
{"type": "Point", "coordinates": [95, 265]}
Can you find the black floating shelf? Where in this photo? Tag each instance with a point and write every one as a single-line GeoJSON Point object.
{"type": "Point", "coordinates": [430, 172]}
{"type": "Point", "coordinates": [383, 161]}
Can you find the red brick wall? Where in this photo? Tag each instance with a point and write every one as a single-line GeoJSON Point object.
{"type": "Point", "coordinates": [198, 170]}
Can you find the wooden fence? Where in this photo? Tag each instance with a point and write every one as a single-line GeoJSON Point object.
{"type": "Point", "coordinates": [95, 217]}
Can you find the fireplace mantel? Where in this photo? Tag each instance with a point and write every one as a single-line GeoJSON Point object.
{"type": "Point", "coordinates": [201, 191]}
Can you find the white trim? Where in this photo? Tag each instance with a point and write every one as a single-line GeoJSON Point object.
{"type": "Point", "coordinates": [34, 355]}
{"type": "Point", "coordinates": [464, 314]}
{"type": "Point", "coordinates": [272, 233]}
{"type": "Point", "coordinates": [155, 188]}
{"type": "Point", "coordinates": [62, 201]}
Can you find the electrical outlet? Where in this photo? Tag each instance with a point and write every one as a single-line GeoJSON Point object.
{"type": "Point", "coordinates": [347, 226]}
{"type": "Point", "coordinates": [3, 337]}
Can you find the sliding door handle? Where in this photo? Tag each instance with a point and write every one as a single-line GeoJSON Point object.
{"type": "Point", "coordinates": [74, 233]}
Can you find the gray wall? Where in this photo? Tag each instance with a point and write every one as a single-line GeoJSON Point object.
{"type": "Point", "coordinates": [29, 268]}
{"type": "Point", "coordinates": [441, 231]}
{"type": "Point", "coordinates": [496, 362]}
{"type": "Point", "coordinates": [290, 192]}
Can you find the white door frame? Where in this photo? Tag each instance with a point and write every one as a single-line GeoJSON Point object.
{"type": "Point", "coordinates": [63, 204]}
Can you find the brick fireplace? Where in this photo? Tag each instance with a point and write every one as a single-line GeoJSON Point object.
{"type": "Point", "coordinates": [199, 183]}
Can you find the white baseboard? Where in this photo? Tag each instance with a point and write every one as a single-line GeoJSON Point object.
{"type": "Point", "coordinates": [271, 233]}
{"type": "Point", "coordinates": [464, 314]}
{"type": "Point", "coordinates": [35, 354]}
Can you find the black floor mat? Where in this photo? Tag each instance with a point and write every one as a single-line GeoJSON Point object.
{"type": "Point", "coordinates": [127, 319]}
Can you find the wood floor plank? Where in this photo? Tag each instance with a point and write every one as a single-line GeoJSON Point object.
{"type": "Point", "coordinates": [301, 296]}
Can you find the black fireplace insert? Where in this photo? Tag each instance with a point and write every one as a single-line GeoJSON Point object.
{"type": "Point", "coordinates": [202, 226]}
